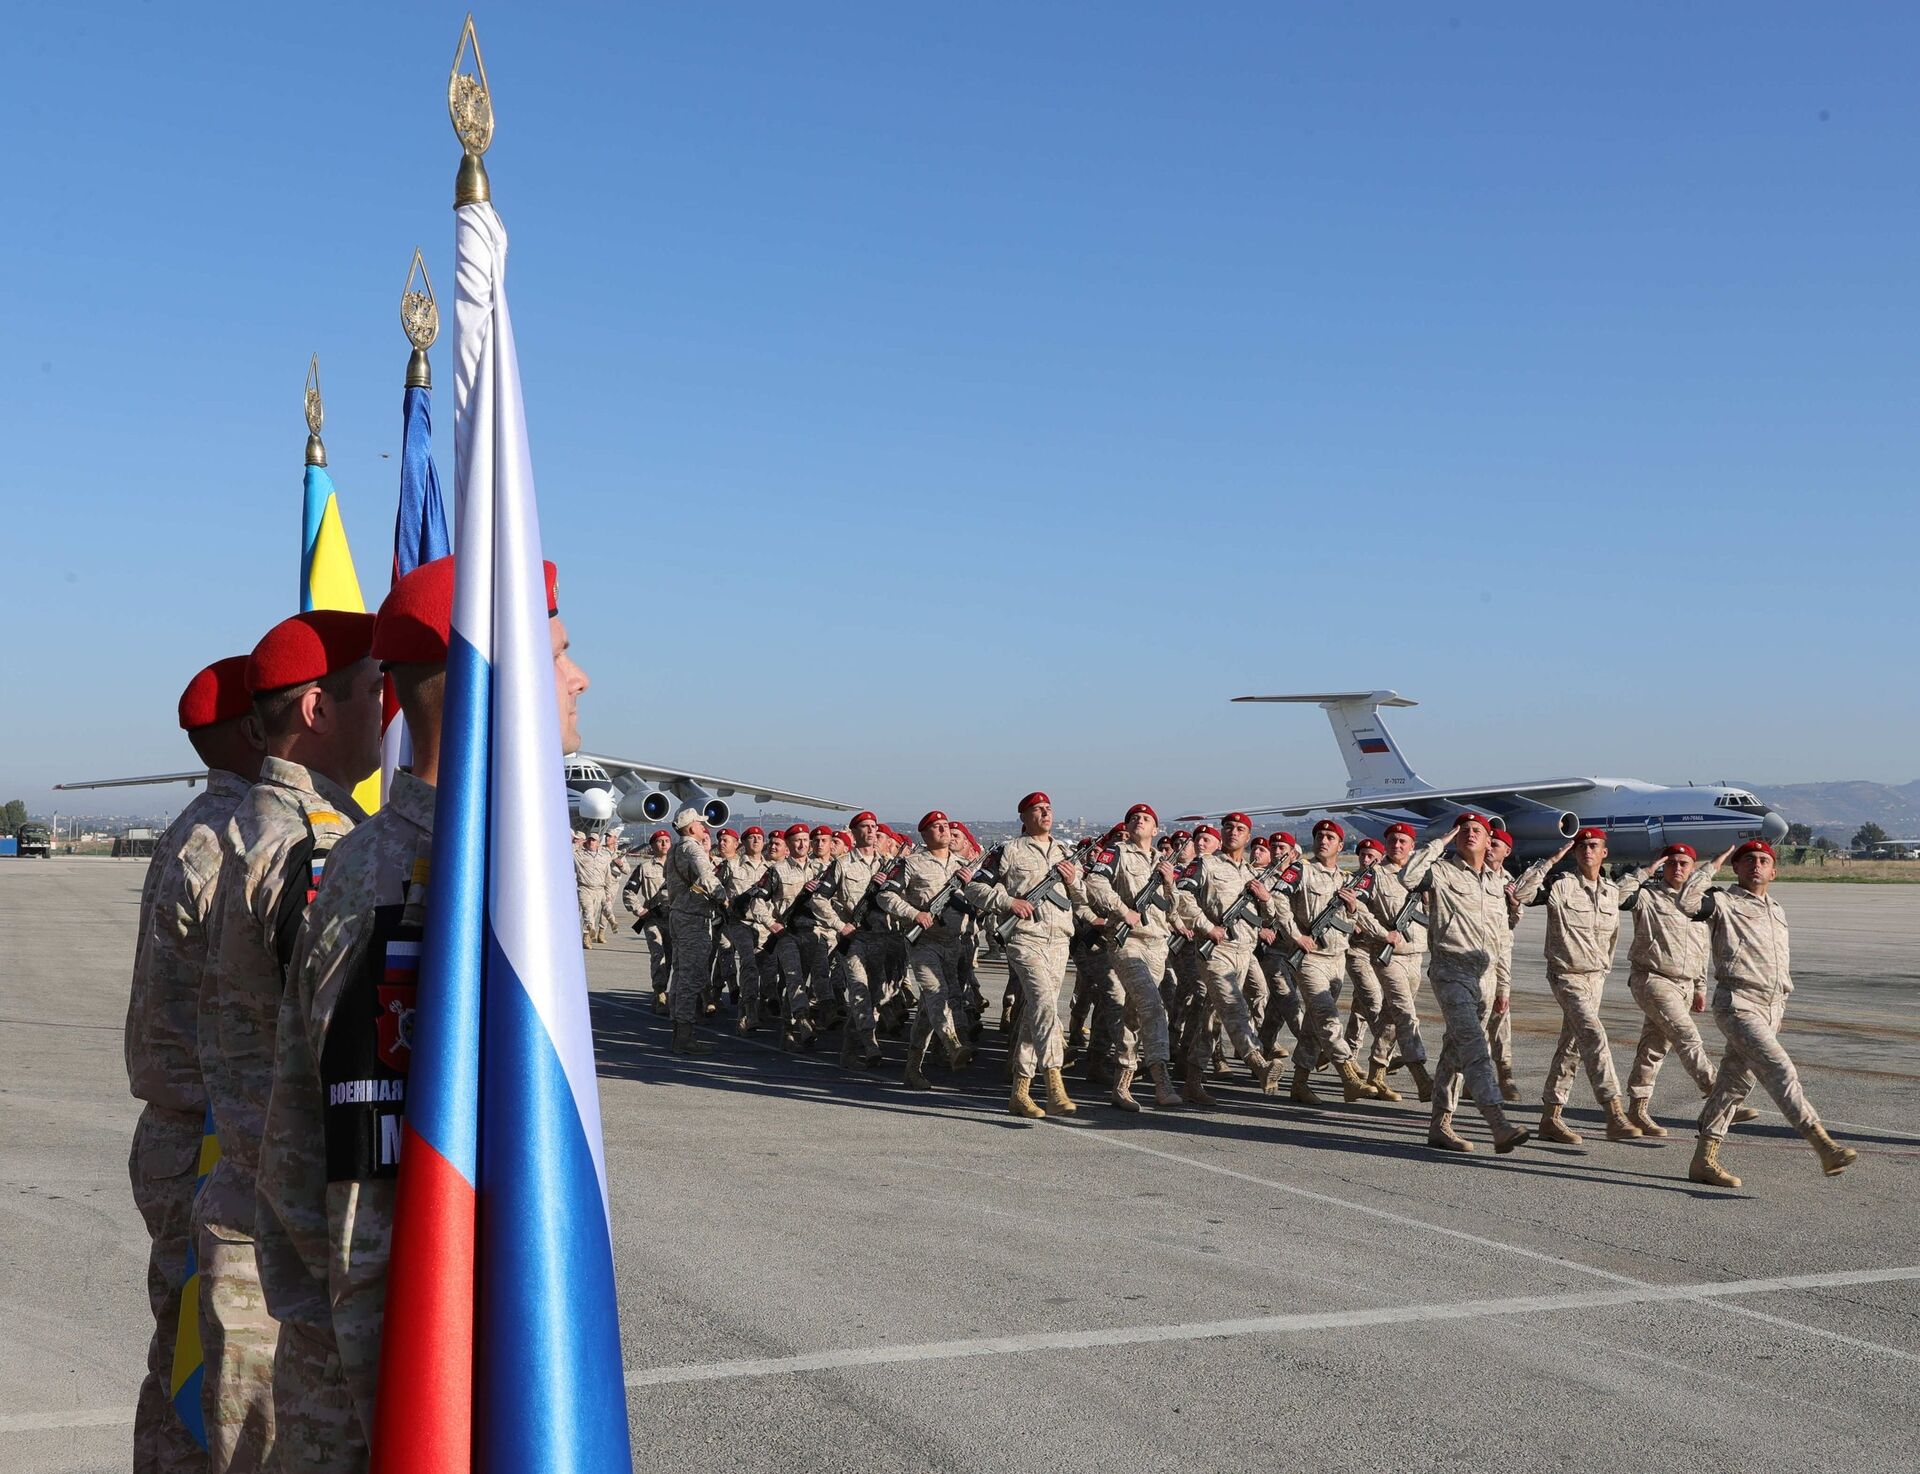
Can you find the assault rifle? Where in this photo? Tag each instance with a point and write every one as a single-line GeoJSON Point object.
{"type": "Point", "coordinates": [1408, 915]}
{"type": "Point", "coordinates": [885, 878]}
{"type": "Point", "coordinates": [1153, 894]}
{"type": "Point", "coordinates": [1049, 890]}
{"type": "Point", "coordinates": [1280, 878]}
{"type": "Point", "coordinates": [1332, 918]}
{"type": "Point", "coordinates": [948, 896]}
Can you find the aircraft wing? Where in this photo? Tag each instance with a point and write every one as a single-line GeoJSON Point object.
{"type": "Point", "coordinates": [661, 777]}
{"type": "Point", "coordinates": [1413, 798]}
{"type": "Point", "coordinates": [187, 778]}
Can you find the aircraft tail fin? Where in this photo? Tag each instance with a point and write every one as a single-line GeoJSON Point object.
{"type": "Point", "coordinates": [1374, 761]}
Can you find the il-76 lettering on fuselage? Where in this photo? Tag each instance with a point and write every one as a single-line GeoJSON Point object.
{"type": "Point", "coordinates": [1638, 818]}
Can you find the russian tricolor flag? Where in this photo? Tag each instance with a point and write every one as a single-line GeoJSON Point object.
{"type": "Point", "coordinates": [501, 1348]}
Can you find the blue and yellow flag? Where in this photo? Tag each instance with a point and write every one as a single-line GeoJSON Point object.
{"type": "Point", "coordinates": [327, 579]}
{"type": "Point", "coordinates": [189, 1361]}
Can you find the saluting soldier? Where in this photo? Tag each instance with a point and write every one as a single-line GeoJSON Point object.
{"type": "Point", "coordinates": [1317, 976]}
{"type": "Point", "coordinates": [1117, 882]}
{"type": "Point", "coordinates": [1036, 949]}
{"type": "Point", "coordinates": [933, 957]}
{"type": "Point", "coordinates": [162, 1050]}
{"type": "Point", "coordinates": [1500, 1022]}
{"type": "Point", "coordinates": [317, 696]}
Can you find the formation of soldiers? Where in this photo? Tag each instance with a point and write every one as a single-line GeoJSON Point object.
{"type": "Point", "coordinates": [281, 928]}
{"type": "Point", "coordinates": [1204, 946]}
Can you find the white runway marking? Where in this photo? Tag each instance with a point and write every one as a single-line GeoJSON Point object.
{"type": "Point", "coordinates": [108, 1417]}
{"type": "Point", "coordinates": [1266, 1325]}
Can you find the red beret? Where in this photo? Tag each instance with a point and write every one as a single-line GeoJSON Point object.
{"type": "Point", "coordinates": [1406, 829]}
{"type": "Point", "coordinates": [845, 836]}
{"type": "Point", "coordinates": [1674, 850]}
{"type": "Point", "coordinates": [798, 829]}
{"type": "Point", "coordinates": [1501, 835]}
{"type": "Point", "coordinates": [1281, 837]}
{"type": "Point", "coordinates": [753, 829]}
{"type": "Point", "coordinates": [1472, 818]}
{"type": "Point", "coordinates": [218, 694]}
{"type": "Point", "coordinates": [1178, 835]}
{"type": "Point", "coordinates": [863, 817]}
{"type": "Point", "coordinates": [1370, 844]}
{"type": "Point", "coordinates": [1036, 797]}
{"type": "Point", "coordinates": [307, 647]}
{"type": "Point", "coordinates": [658, 834]}
{"type": "Point", "coordinates": [1206, 829]}
{"type": "Point", "coordinates": [1591, 834]}
{"type": "Point", "coordinates": [1146, 809]}
{"type": "Point", "coordinates": [823, 829]}
{"type": "Point", "coordinates": [734, 832]}
{"type": "Point", "coordinates": [411, 627]}
{"type": "Point", "coordinates": [1332, 824]}
{"type": "Point", "coordinates": [1237, 818]}
{"type": "Point", "coordinates": [1753, 847]}
{"type": "Point", "coordinates": [553, 589]}
{"type": "Point", "coordinates": [932, 816]}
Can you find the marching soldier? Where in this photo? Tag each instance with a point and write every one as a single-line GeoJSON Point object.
{"type": "Point", "coordinates": [1283, 999]}
{"type": "Point", "coordinates": [933, 956]}
{"type": "Point", "coordinates": [797, 952]}
{"type": "Point", "coordinates": [590, 881]}
{"type": "Point", "coordinates": [317, 696]}
{"type": "Point", "coordinates": [1500, 1025]}
{"type": "Point", "coordinates": [1364, 993]}
{"type": "Point", "coordinates": [748, 931]}
{"type": "Point", "coordinates": [649, 875]}
{"type": "Point", "coordinates": [1322, 884]}
{"type": "Point", "coordinates": [844, 891]}
{"type": "Point", "coordinates": [1117, 886]}
{"type": "Point", "coordinates": [1466, 905]}
{"type": "Point", "coordinates": [693, 890]}
{"type": "Point", "coordinates": [1207, 894]}
{"type": "Point", "coordinates": [1036, 948]}
{"type": "Point", "coordinates": [1401, 935]}
{"type": "Point", "coordinates": [1583, 927]}
{"type": "Point", "coordinates": [609, 923]}
{"type": "Point", "coordinates": [1752, 971]}
{"type": "Point", "coordinates": [163, 1064]}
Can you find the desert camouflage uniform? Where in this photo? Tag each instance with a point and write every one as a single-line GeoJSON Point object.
{"type": "Point", "coordinates": [1466, 928]}
{"type": "Point", "coordinates": [1114, 886]}
{"type": "Point", "coordinates": [844, 884]}
{"type": "Point", "coordinates": [327, 1165]}
{"type": "Point", "coordinates": [748, 933]}
{"type": "Point", "coordinates": [649, 874]}
{"type": "Point", "coordinates": [1583, 927]}
{"type": "Point", "coordinates": [693, 889]}
{"type": "Point", "coordinates": [1399, 976]}
{"type": "Point", "coordinates": [590, 884]}
{"type": "Point", "coordinates": [272, 857]}
{"type": "Point", "coordinates": [797, 954]}
{"type": "Point", "coordinates": [608, 921]}
{"type": "Point", "coordinates": [1752, 972]}
{"type": "Point", "coordinates": [1668, 957]}
{"type": "Point", "coordinates": [1318, 975]}
{"type": "Point", "coordinates": [933, 962]}
{"type": "Point", "coordinates": [1036, 949]}
{"type": "Point", "coordinates": [1206, 893]}
{"type": "Point", "coordinates": [163, 1069]}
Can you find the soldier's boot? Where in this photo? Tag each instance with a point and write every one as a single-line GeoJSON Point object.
{"type": "Point", "coordinates": [1422, 1081]}
{"type": "Point", "coordinates": [916, 1078]}
{"type": "Point", "coordinates": [1619, 1128]}
{"type": "Point", "coordinates": [1443, 1138]}
{"type": "Point", "coordinates": [1355, 1085]}
{"type": "Point", "coordinates": [1509, 1087]}
{"type": "Point", "coordinates": [959, 1053]}
{"type": "Point", "coordinates": [1193, 1089]}
{"type": "Point", "coordinates": [1744, 1113]}
{"type": "Point", "coordinates": [1100, 1069]}
{"type": "Point", "coordinates": [685, 1043]}
{"type": "Point", "coordinates": [1506, 1135]}
{"type": "Point", "coordinates": [1266, 1072]}
{"type": "Point", "coordinates": [873, 1057]}
{"type": "Point", "coordinates": [1221, 1069]}
{"type": "Point", "coordinates": [1552, 1128]}
{"type": "Point", "coordinates": [801, 1035]}
{"type": "Point", "coordinates": [1020, 1103]}
{"type": "Point", "coordinates": [1165, 1097]}
{"type": "Point", "coordinates": [1121, 1096]}
{"type": "Point", "coordinates": [1057, 1102]}
{"type": "Point", "coordinates": [849, 1048]}
{"type": "Point", "coordinates": [1706, 1165]}
{"type": "Point", "coordinates": [1834, 1158]}
{"type": "Point", "coordinates": [1377, 1078]}
{"type": "Point", "coordinates": [1301, 1092]}
{"type": "Point", "coordinates": [1642, 1118]}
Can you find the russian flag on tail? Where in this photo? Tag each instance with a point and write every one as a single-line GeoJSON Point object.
{"type": "Point", "coordinates": [501, 1347]}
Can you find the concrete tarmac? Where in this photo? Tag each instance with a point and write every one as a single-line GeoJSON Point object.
{"type": "Point", "coordinates": [820, 1270]}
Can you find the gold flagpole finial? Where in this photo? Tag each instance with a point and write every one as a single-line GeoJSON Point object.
{"type": "Point", "coordinates": [470, 106]}
{"type": "Point", "coordinates": [420, 317]}
{"type": "Point", "coordinates": [316, 414]}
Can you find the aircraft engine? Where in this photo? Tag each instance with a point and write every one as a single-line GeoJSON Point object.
{"type": "Point", "coordinates": [716, 811]}
{"type": "Point", "coordinates": [1540, 824]}
{"type": "Point", "coordinates": [645, 806]}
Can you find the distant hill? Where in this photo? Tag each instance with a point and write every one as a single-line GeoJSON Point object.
{"type": "Point", "coordinates": [1838, 809]}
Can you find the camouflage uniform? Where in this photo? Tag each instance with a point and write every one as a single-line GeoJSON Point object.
{"type": "Point", "coordinates": [1113, 886]}
{"type": "Point", "coordinates": [330, 1155]}
{"type": "Point", "coordinates": [608, 921]}
{"type": "Point", "coordinates": [1583, 927]}
{"type": "Point", "coordinates": [1399, 975]}
{"type": "Point", "coordinates": [163, 1069]}
{"type": "Point", "coordinates": [692, 888]}
{"type": "Point", "coordinates": [590, 884]}
{"type": "Point", "coordinates": [933, 962]}
{"type": "Point", "coordinates": [1318, 975]}
{"type": "Point", "coordinates": [845, 884]}
{"type": "Point", "coordinates": [272, 857]}
{"type": "Point", "coordinates": [1037, 948]}
{"type": "Point", "coordinates": [1669, 963]}
{"type": "Point", "coordinates": [748, 933]}
{"type": "Point", "coordinates": [649, 874]}
{"type": "Point", "coordinates": [797, 954]}
{"type": "Point", "coordinates": [1466, 927]}
{"type": "Point", "coordinates": [1205, 895]}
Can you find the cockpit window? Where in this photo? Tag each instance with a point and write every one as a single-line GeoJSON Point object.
{"type": "Point", "coordinates": [1737, 801]}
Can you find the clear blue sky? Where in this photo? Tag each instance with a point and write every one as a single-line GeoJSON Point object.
{"type": "Point", "coordinates": [1076, 365]}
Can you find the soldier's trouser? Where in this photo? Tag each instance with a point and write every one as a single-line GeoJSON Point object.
{"type": "Point", "coordinates": [692, 961]}
{"type": "Point", "coordinates": [1220, 978]}
{"type": "Point", "coordinates": [1138, 966]}
{"type": "Point", "coordinates": [1669, 1009]}
{"type": "Point", "coordinates": [1318, 983]}
{"type": "Point", "coordinates": [1754, 1051]}
{"type": "Point", "coordinates": [609, 912]}
{"type": "Point", "coordinates": [1363, 1001]}
{"type": "Point", "coordinates": [746, 955]}
{"type": "Point", "coordinates": [1500, 1032]}
{"type": "Point", "coordinates": [1464, 1053]}
{"type": "Point", "coordinates": [1399, 1022]}
{"type": "Point", "coordinates": [659, 960]}
{"type": "Point", "coordinates": [162, 1166]}
{"type": "Point", "coordinates": [237, 1337]}
{"type": "Point", "coordinates": [935, 972]}
{"type": "Point", "coordinates": [1038, 962]}
{"type": "Point", "coordinates": [790, 966]}
{"type": "Point", "coordinates": [1283, 999]}
{"type": "Point", "coordinates": [1253, 988]}
{"type": "Point", "coordinates": [1582, 1033]}
{"type": "Point", "coordinates": [316, 1427]}
{"type": "Point", "coordinates": [589, 908]}
{"type": "Point", "coordinates": [864, 957]}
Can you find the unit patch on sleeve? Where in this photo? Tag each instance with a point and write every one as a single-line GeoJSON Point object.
{"type": "Point", "coordinates": [363, 1071]}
